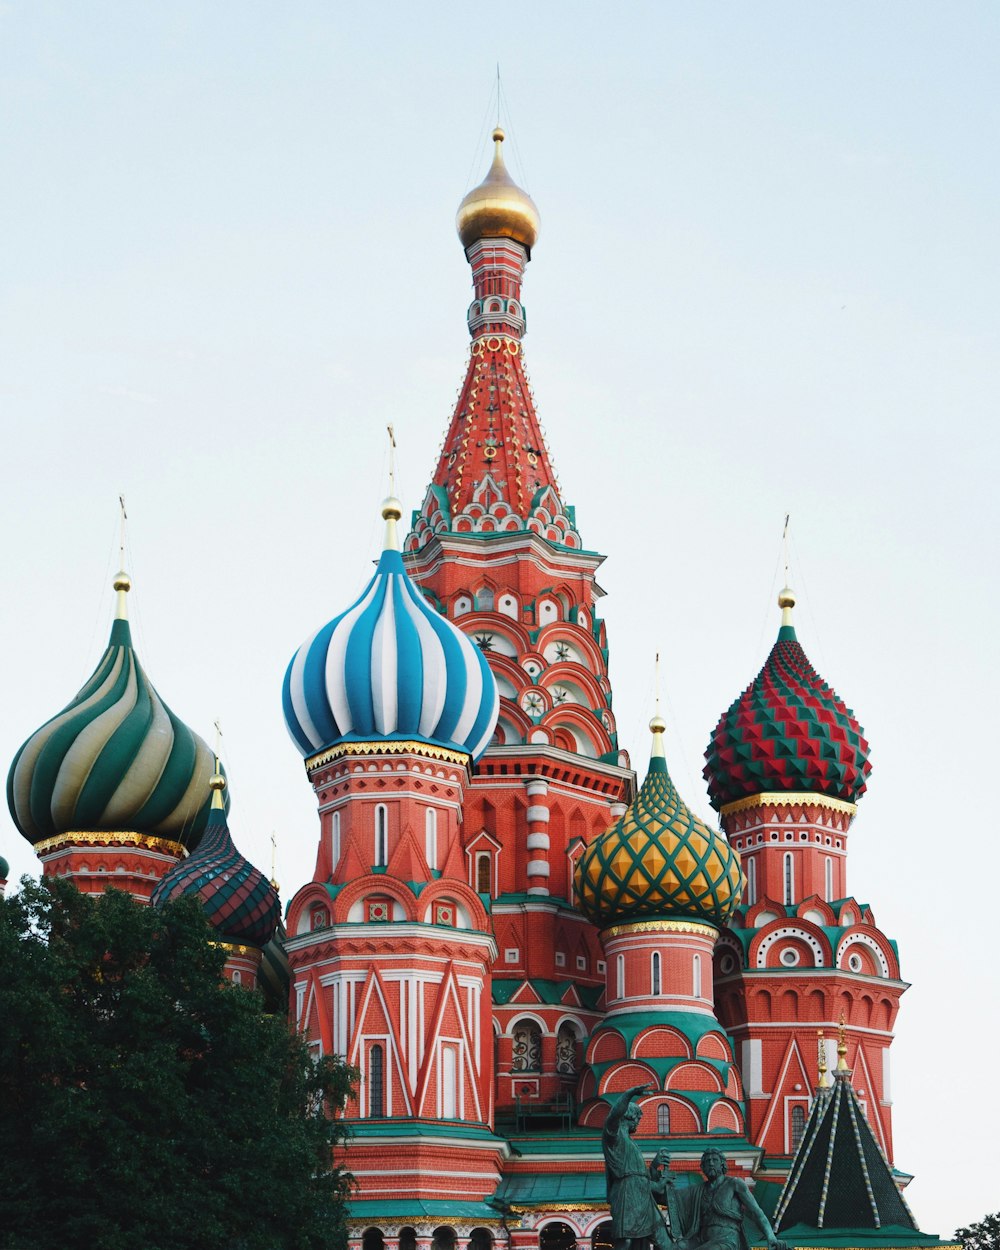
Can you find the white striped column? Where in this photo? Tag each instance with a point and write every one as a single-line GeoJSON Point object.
{"type": "Point", "coordinates": [538, 835]}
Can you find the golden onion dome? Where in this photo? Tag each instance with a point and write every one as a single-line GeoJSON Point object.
{"type": "Point", "coordinates": [498, 208]}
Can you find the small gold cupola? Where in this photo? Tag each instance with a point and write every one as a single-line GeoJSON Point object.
{"type": "Point", "coordinates": [498, 208]}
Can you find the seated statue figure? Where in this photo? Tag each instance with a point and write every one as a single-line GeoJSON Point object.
{"type": "Point", "coordinates": [709, 1216]}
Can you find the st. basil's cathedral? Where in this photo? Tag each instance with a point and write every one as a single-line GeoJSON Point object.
{"type": "Point", "coordinates": [503, 931]}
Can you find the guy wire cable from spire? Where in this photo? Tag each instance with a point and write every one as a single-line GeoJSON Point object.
{"type": "Point", "coordinates": [478, 150]}
{"type": "Point", "coordinates": [762, 647]}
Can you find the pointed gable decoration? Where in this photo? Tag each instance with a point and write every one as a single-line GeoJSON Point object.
{"type": "Point", "coordinates": [407, 861]}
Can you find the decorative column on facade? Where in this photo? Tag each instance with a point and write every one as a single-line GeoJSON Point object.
{"type": "Point", "coordinates": [537, 817]}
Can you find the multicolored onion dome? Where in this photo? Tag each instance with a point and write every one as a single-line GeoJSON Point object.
{"type": "Point", "coordinates": [788, 731]}
{"type": "Point", "coordinates": [4, 868]}
{"type": "Point", "coordinates": [114, 759]}
{"type": "Point", "coordinates": [498, 208]}
{"type": "Point", "coordinates": [390, 668]}
{"type": "Point", "coordinates": [658, 860]}
{"type": "Point", "coordinates": [239, 901]}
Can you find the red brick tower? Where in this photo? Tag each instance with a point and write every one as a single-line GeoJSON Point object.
{"type": "Point", "coordinates": [786, 767]}
{"type": "Point", "coordinates": [497, 551]}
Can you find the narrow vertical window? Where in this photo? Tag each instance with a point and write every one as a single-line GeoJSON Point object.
{"type": "Point", "coordinates": [431, 826]}
{"type": "Point", "coordinates": [483, 872]}
{"type": "Point", "coordinates": [449, 1083]}
{"type": "Point", "coordinates": [655, 977]}
{"type": "Point", "coordinates": [663, 1119]}
{"type": "Point", "coordinates": [751, 882]}
{"type": "Point", "coordinates": [376, 1082]}
{"type": "Point", "coordinates": [798, 1126]}
{"type": "Point", "coordinates": [381, 836]}
{"type": "Point", "coordinates": [620, 975]}
{"type": "Point", "coordinates": [789, 881]}
{"type": "Point", "coordinates": [336, 840]}
{"type": "Point", "coordinates": [696, 976]}
{"type": "Point", "coordinates": [828, 867]}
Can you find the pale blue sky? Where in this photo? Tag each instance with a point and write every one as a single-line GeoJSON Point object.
{"type": "Point", "coordinates": [766, 281]}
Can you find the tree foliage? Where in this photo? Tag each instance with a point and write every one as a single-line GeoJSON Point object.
{"type": "Point", "coordinates": [983, 1235]}
{"type": "Point", "coordinates": [146, 1104]}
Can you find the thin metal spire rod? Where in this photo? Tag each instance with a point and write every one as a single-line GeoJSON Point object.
{"type": "Point", "coordinates": [121, 539]}
{"type": "Point", "coordinates": [392, 460]}
{"type": "Point", "coordinates": [784, 543]}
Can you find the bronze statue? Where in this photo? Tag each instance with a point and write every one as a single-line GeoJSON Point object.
{"type": "Point", "coordinates": [636, 1220]}
{"type": "Point", "coordinates": [710, 1216]}
{"type": "Point", "coordinates": [702, 1217]}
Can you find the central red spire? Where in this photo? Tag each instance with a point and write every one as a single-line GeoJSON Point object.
{"type": "Point", "coordinates": [494, 474]}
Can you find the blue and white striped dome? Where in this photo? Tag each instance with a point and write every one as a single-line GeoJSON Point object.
{"type": "Point", "coordinates": [390, 668]}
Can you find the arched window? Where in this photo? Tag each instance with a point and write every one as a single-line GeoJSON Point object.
{"type": "Point", "coordinates": [376, 1082]}
{"type": "Point", "coordinates": [789, 880]}
{"type": "Point", "coordinates": [798, 1126]}
{"type": "Point", "coordinates": [655, 972]}
{"type": "Point", "coordinates": [696, 976]}
{"type": "Point", "coordinates": [237, 976]}
{"type": "Point", "coordinates": [483, 872]}
{"type": "Point", "coordinates": [751, 894]}
{"type": "Point", "coordinates": [663, 1119]}
{"type": "Point", "coordinates": [527, 1052]}
{"type": "Point", "coordinates": [620, 976]}
{"type": "Point", "coordinates": [431, 826]}
{"type": "Point", "coordinates": [381, 836]}
{"type": "Point", "coordinates": [828, 873]}
{"type": "Point", "coordinates": [372, 1239]}
{"type": "Point", "coordinates": [566, 1050]}
{"type": "Point", "coordinates": [336, 839]}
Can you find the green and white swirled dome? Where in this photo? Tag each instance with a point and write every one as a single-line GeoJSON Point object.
{"type": "Point", "coordinates": [114, 759]}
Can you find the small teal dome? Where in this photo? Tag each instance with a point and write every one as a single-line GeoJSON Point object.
{"type": "Point", "coordinates": [390, 668]}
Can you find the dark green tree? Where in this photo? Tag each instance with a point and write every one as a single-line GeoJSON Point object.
{"type": "Point", "coordinates": [146, 1104]}
{"type": "Point", "coordinates": [983, 1235]}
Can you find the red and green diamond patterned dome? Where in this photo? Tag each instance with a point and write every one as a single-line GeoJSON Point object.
{"type": "Point", "coordinates": [658, 860]}
{"type": "Point", "coordinates": [239, 901]}
{"type": "Point", "coordinates": [788, 731]}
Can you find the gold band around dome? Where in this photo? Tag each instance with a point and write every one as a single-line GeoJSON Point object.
{"type": "Point", "coordinates": [663, 926]}
{"type": "Point", "coordinates": [116, 837]}
{"type": "Point", "coordinates": [461, 758]}
{"type": "Point", "coordinates": [788, 798]}
{"type": "Point", "coordinates": [236, 948]}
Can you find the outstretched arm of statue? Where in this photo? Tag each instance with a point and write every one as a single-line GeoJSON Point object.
{"type": "Point", "coordinates": [751, 1207]}
{"type": "Point", "coordinates": [622, 1105]}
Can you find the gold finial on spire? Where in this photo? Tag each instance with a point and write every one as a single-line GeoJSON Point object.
{"type": "Point", "coordinates": [657, 725]}
{"type": "Point", "coordinates": [392, 509]}
{"type": "Point", "coordinates": [217, 783]}
{"type": "Point", "coordinates": [122, 582]}
{"type": "Point", "coordinates": [842, 1044]}
{"type": "Point", "coordinates": [824, 1080]}
{"type": "Point", "coordinates": [786, 596]}
{"type": "Point", "coordinates": [274, 855]}
{"type": "Point", "coordinates": [498, 207]}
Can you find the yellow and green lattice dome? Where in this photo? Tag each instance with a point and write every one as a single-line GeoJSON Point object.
{"type": "Point", "coordinates": [658, 859]}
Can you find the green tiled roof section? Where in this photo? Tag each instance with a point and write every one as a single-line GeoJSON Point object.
{"type": "Point", "coordinates": [890, 1237]}
{"type": "Point", "coordinates": [403, 1126]}
{"type": "Point", "coordinates": [379, 1212]}
{"type": "Point", "coordinates": [839, 1177]}
{"type": "Point", "coordinates": [693, 1025]}
{"type": "Point", "coordinates": [550, 992]}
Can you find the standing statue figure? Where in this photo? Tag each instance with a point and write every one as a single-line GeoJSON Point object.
{"type": "Point", "coordinates": [632, 1190]}
{"type": "Point", "coordinates": [710, 1216]}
